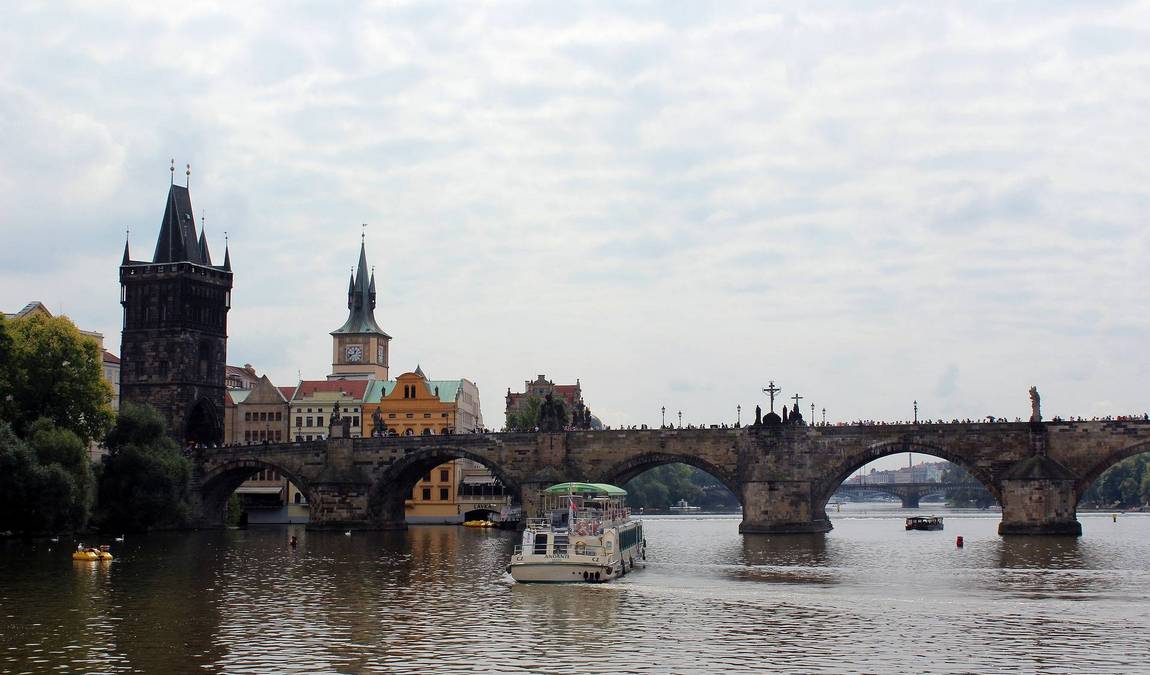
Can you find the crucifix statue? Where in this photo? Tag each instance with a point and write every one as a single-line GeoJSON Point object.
{"type": "Point", "coordinates": [797, 398]}
{"type": "Point", "coordinates": [771, 390]}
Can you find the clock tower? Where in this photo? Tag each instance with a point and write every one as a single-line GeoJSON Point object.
{"type": "Point", "coordinates": [359, 346]}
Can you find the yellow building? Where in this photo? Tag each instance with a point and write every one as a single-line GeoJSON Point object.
{"type": "Point", "coordinates": [414, 405]}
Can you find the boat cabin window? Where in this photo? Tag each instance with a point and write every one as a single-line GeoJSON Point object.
{"type": "Point", "coordinates": [540, 544]}
{"type": "Point", "coordinates": [559, 545]}
{"type": "Point", "coordinates": [559, 519]}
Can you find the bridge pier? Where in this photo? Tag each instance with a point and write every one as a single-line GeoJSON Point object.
{"type": "Point", "coordinates": [910, 499]}
{"type": "Point", "coordinates": [782, 507]}
{"type": "Point", "coordinates": [1039, 506]}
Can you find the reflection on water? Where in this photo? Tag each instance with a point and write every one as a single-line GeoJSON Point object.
{"type": "Point", "coordinates": [867, 596]}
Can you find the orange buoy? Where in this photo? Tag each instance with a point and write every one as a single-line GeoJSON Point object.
{"type": "Point", "coordinates": [958, 542]}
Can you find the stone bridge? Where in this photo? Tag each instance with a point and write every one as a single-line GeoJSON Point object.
{"type": "Point", "coordinates": [783, 475]}
{"type": "Point", "coordinates": [909, 493]}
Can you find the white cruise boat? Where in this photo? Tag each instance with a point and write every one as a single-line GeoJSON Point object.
{"type": "Point", "coordinates": [586, 535]}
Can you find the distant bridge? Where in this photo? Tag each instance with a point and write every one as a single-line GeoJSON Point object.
{"type": "Point", "coordinates": [909, 493]}
{"type": "Point", "coordinates": [783, 475]}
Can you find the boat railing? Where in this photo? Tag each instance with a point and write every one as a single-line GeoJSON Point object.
{"type": "Point", "coordinates": [577, 549]}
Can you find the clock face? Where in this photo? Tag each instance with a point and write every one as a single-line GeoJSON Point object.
{"type": "Point", "coordinates": [354, 353]}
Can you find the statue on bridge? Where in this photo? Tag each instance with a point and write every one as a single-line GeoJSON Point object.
{"type": "Point", "coordinates": [795, 417]}
{"type": "Point", "coordinates": [378, 426]}
{"type": "Point", "coordinates": [552, 415]}
{"type": "Point", "coordinates": [758, 416]}
{"type": "Point", "coordinates": [335, 416]}
{"type": "Point", "coordinates": [1035, 405]}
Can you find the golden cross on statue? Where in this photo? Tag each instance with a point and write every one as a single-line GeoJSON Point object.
{"type": "Point", "coordinates": [771, 390]}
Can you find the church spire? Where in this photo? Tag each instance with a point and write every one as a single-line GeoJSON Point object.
{"type": "Point", "coordinates": [127, 256]}
{"type": "Point", "coordinates": [361, 299]}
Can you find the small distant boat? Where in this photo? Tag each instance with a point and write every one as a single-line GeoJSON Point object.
{"type": "Point", "coordinates": [682, 505]}
{"type": "Point", "coordinates": [924, 523]}
{"type": "Point", "coordinates": [586, 535]}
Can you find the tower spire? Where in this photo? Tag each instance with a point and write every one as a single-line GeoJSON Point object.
{"type": "Point", "coordinates": [127, 258]}
{"type": "Point", "coordinates": [227, 253]}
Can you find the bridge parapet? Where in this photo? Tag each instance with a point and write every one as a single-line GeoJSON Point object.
{"type": "Point", "coordinates": [783, 476]}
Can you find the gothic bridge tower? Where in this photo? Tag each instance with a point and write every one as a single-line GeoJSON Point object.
{"type": "Point", "coordinates": [175, 334]}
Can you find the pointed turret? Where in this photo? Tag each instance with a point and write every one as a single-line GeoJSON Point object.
{"type": "Point", "coordinates": [350, 291]}
{"type": "Point", "coordinates": [371, 289]}
{"type": "Point", "coordinates": [127, 258]}
{"type": "Point", "coordinates": [227, 258]}
{"type": "Point", "coordinates": [205, 256]}
{"type": "Point", "coordinates": [419, 371]}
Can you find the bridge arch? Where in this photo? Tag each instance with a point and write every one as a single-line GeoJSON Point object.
{"type": "Point", "coordinates": [1095, 471]}
{"type": "Point", "coordinates": [855, 461]}
{"type": "Point", "coordinates": [627, 469]}
{"type": "Point", "coordinates": [391, 490]}
{"type": "Point", "coordinates": [218, 484]}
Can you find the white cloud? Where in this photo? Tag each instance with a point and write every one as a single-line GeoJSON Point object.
{"type": "Point", "coordinates": [673, 204]}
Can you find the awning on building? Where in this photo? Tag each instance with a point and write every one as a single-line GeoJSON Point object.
{"type": "Point", "coordinates": [259, 489]}
{"type": "Point", "coordinates": [480, 479]}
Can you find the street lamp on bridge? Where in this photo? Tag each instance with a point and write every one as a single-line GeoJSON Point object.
{"type": "Point", "coordinates": [680, 419]}
{"type": "Point", "coordinates": [824, 417]}
{"type": "Point", "coordinates": [738, 415]}
{"type": "Point", "coordinates": [663, 424]}
{"type": "Point", "coordinates": [916, 411]}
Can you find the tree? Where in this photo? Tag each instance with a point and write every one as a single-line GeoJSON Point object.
{"type": "Point", "coordinates": [50, 370]}
{"type": "Point", "coordinates": [37, 498]}
{"type": "Point", "coordinates": [1124, 485]}
{"type": "Point", "coordinates": [980, 497]}
{"type": "Point", "coordinates": [61, 449]}
{"type": "Point", "coordinates": [144, 479]}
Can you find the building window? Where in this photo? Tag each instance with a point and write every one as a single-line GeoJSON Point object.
{"type": "Point", "coordinates": [444, 494]}
{"type": "Point", "coordinates": [443, 414]}
{"type": "Point", "coordinates": [426, 416]}
{"type": "Point", "coordinates": [299, 421]}
{"type": "Point", "coordinates": [426, 494]}
{"type": "Point", "coordinates": [279, 416]}
{"type": "Point", "coordinates": [279, 435]}
{"type": "Point", "coordinates": [390, 416]}
{"type": "Point", "coordinates": [319, 420]}
{"type": "Point", "coordinates": [247, 436]}
{"type": "Point", "coordinates": [427, 477]}
{"type": "Point", "coordinates": [444, 476]}
{"type": "Point", "coordinates": [409, 415]}
{"type": "Point", "coordinates": [308, 437]}
{"type": "Point", "coordinates": [308, 423]}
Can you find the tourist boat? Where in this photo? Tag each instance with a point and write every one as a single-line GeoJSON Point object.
{"type": "Point", "coordinates": [682, 505]}
{"type": "Point", "coordinates": [586, 534]}
{"type": "Point", "coordinates": [924, 523]}
{"type": "Point", "coordinates": [85, 554]}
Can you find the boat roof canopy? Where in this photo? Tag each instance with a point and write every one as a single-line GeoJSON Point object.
{"type": "Point", "coordinates": [586, 489]}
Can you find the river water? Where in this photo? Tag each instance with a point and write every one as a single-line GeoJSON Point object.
{"type": "Point", "coordinates": [867, 597]}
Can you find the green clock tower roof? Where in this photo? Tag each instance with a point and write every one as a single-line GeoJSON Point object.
{"type": "Point", "coordinates": [361, 302]}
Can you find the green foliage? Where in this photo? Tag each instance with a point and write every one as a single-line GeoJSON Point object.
{"type": "Point", "coordinates": [38, 496]}
{"type": "Point", "coordinates": [980, 497]}
{"type": "Point", "coordinates": [665, 485]}
{"type": "Point", "coordinates": [144, 479]}
{"type": "Point", "coordinates": [527, 419]}
{"type": "Point", "coordinates": [235, 511]}
{"type": "Point", "coordinates": [1124, 485]}
{"type": "Point", "coordinates": [49, 369]}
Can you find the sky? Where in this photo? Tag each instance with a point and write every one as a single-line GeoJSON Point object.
{"type": "Point", "coordinates": [867, 203]}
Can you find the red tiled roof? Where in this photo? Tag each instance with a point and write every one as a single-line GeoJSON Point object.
{"type": "Point", "coordinates": [287, 392]}
{"type": "Point", "coordinates": [353, 388]}
{"type": "Point", "coordinates": [566, 388]}
{"type": "Point", "coordinates": [109, 357]}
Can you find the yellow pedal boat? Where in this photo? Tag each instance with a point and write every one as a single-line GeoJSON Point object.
{"type": "Point", "coordinates": [92, 554]}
